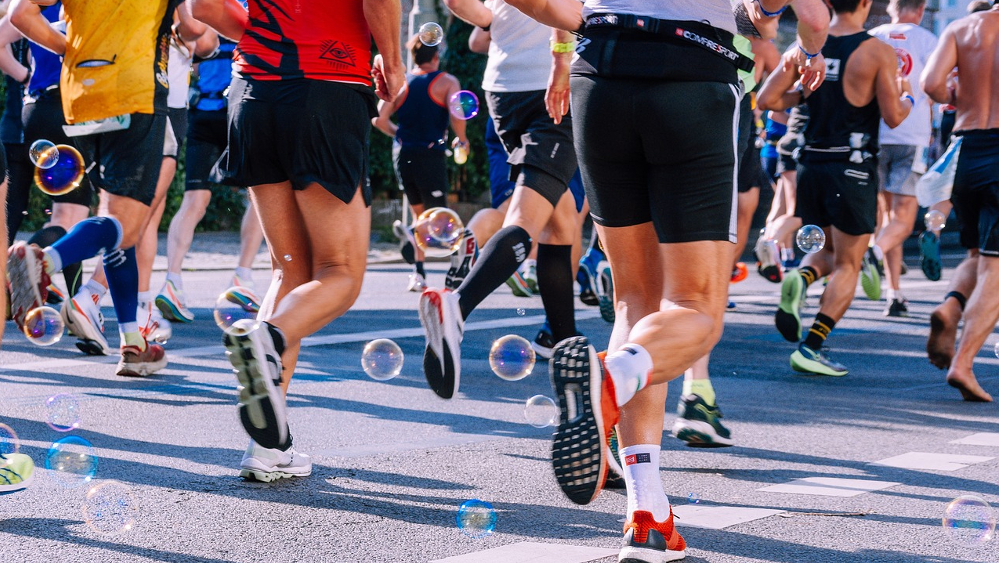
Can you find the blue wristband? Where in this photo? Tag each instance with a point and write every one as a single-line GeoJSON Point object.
{"type": "Point", "coordinates": [807, 53]}
{"type": "Point", "coordinates": [913, 103]}
{"type": "Point", "coordinates": [770, 14]}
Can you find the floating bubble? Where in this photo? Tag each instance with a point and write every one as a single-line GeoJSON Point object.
{"type": "Point", "coordinates": [72, 460]}
{"type": "Point", "coordinates": [65, 175]}
{"type": "Point", "coordinates": [9, 442]}
{"type": "Point", "coordinates": [382, 359]}
{"type": "Point", "coordinates": [810, 239]}
{"type": "Point", "coordinates": [44, 326]}
{"type": "Point", "coordinates": [431, 34]}
{"type": "Point", "coordinates": [438, 232]}
{"type": "Point", "coordinates": [235, 304]}
{"type": "Point", "coordinates": [520, 312]}
{"type": "Point", "coordinates": [934, 220]}
{"type": "Point", "coordinates": [62, 412]}
{"type": "Point", "coordinates": [969, 521]}
{"type": "Point", "coordinates": [463, 105]}
{"type": "Point", "coordinates": [110, 508]}
{"type": "Point", "coordinates": [43, 154]}
{"type": "Point", "coordinates": [476, 518]}
{"type": "Point", "coordinates": [541, 411]}
{"type": "Point", "coordinates": [694, 498]}
{"type": "Point", "coordinates": [511, 357]}
{"type": "Point", "coordinates": [288, 258]}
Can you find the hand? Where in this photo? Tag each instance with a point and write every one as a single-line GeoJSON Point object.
{"type": "Point", "coordinates": [813, 70]}
{"type": "Point", "coordinates": [557, 92]}
{"type": "Point", "coordinates": [767, 27]}
{"type": "Point", "coordinates": [389, 80]}
{"type": "Point", "coordinates": [904, 84]}
{"type": "Point", "coordinates": [457, 142]}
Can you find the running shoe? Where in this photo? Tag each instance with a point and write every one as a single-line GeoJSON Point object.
{"type": "Point", "coordinates": [416, 283]}
{"type": "Point", "coordinates": [586, 276]}
{"type": "Point", "coordinates": [443, 325]}
{"type": "Point", "coordinates": [462, 261]}
{"type": "Point", "coordinates": [698, 424]}
{"type": "Point", "coordinates": [816, 362]}
{"type": "Point", "coordinates": [897, 308]}
{"type": "Point", "coordinates": [265, 464]}
{"type": "Point", "coordinates": [55, 296]}
{"type": "Point", "coordinates": [152, 325]}
{"type": "Point", "coordinates": [17, 471]}
{"type": "Point", "coordinates": [243, 282]}
{"type": "Point", "coordinates": [580, 443]}
{"type": "Point", "coordinates": [768, 260]}
{"type": "Point", "coordinates": [787, 318]}
{"type": "Point", "coordinates": [83, 318]}
{"type": "Point", "coordinates": [649, 541]}
{"type": "Point", "coordinates": [544, 342]}
{"type": "Point", "coordinates": [790, 264]}
{"type": "Point", "coordinates": [140, 363]}
{"type": "Point", "coordinates": [170, 302]}
{"type": "Point", "coordinates": [731, 305]}
{"type": "Point", "coordinates": [739, 273]}
{"type": "Point", "coordinates": [930, 255]}
{"type": "Point", "coordinates": [257, 366]}
{"type": "Point", "coordinates": [27, 278]}
{"type": "Point", "coordinates": [407, 243]}
{"type": "Point", "coordinates": [518, 286]}
{"type": "Point", "coordinates": [872, 272]}
{"type": "Point", "coordinates": [615, 479]}
{"type": "Point", "coordinates": [606, 291]}
{"type": "Point", "coordinates": [530, 276]}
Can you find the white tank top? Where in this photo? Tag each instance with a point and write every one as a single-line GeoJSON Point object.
{"type": "Point", "coordinates": [519, 57]}
{"type": "Point", "coordinates": [717, 13]}
{"type": "Point", "coordinates": [913, 45]}
{"type": "Point", "coordinates": [178, 76]}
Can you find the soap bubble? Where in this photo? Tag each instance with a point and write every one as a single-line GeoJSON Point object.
{"type": "Point", "coordinates": [72, 460]}
{"type": "Point", "coordinates": [810, 239]}
{"type": "Point", "coordinates": [511, 357]}
{"type": "Point", "coordinates": [430, 34]}
{"type": "Point", "coordinates": [438, 232]}
{"type": "Point", "coordinates": [694, 498]}
{"type": "Point", "coordinates": [541, 411]}
{"type": "Point", "coordinates": [43, 326]}
{"type": "Point", "coordinates": [235, 304]}
{"type": "Point", "coordinates": [288, 258]}
{"type": "Point", "coordinates": [476, 518]}
{"type": "Point", "coordinates": [43, 154]}
{"type": "Point", "coordinates": [463, 105]}
{"type": "Point", "coordinates": [520, 312]}
{"type": "Point", "coordinates": [62, 412]}
{"type": "Point", "coordinates": [934, 220]}
{"type": "Point", "coordinates": [9, 442]}
{"type": "Point", "coordinates": [969, 521]}
{"type": "Point", "coordinates": [382, 359]}
{"type": "Point", "coordinates": [64, 175]}
{"type": "Point", "coordinates": [110, 508]}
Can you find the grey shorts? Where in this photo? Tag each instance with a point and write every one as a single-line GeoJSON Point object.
{"type": "Point", "coordinates": [895, 169]}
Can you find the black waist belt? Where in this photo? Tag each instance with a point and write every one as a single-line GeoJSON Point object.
{"type": "Point", "coordinates": [687, 32]}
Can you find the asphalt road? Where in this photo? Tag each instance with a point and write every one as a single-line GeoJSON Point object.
{"type": "Point", "coordinates": [392, 462]}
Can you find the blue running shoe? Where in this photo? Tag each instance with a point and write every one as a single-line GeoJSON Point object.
{"type": "Point", "coordinates": [930, 255]}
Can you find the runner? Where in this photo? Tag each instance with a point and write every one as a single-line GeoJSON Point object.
{"type": "Point", "coordinates": [307, 183]}
{"type": "Point", "coordinates": [970, 44]}
{"type": "Point", "coordinates": [19, 168]}
{"type": "Point", "coordinates": [902, 156]}
{"type": "Point", "coordinates": [837, 182]}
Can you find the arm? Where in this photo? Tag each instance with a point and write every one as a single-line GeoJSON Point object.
{"type": "Point", "coordinates": [775, 94]}
{"type": "Point", "coordinates": [8, 64]}
{"type": "Point", "coordinates": [935, 80]}
{"type": "Point", "coordinates": [470, 11]}
{"type": "Point", "coordinates": [28, 19]}
{"type": "Point", "coordinates": [814, 24]}
{"type": "Point", "coordinates": [890, 87]}
{"type": "Point", "coordinates": [387, 69]}
{"type": "Point", "coordinates": [226, 16]}
{"type": "Point", "coordinates": [557, 92]}
{"type": "Point", "coordinates": [382, 122]}
{"type": "Point", "coordinates": [558, 14]}
{"type": "Point", "coordinates": [188, 28]}
{"type": "Point", "coordinates": [206, 44]}
{"type": "Point", "coordinates": [457, 125]}
{"type": "Point", "coordinates": [479, 41]}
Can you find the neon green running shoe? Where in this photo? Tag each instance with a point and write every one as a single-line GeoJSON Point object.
{"type": "Point", "coordinates": [787, 319]}
{"type": "Point", "coordinates": [816, 362]}
{"type": "Point", "coordinates": [16, 472]}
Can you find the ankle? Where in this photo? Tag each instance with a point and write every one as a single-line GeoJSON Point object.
{"type": "Point", "coordinates": [629, 369]}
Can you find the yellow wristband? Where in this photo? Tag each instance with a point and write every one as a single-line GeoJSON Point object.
{"type": "Point", "coordinates": [562, 47]}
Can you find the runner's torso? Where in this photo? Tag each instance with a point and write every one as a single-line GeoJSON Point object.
{"type": "Point", "coordinates": [423, 122]}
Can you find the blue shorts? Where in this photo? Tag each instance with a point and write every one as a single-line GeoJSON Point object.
{"type": "Point", "coordinates": [501, 186]}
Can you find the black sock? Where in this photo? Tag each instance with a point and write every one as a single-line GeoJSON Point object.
{"type": "Point", "coordinates": [72, 272]}
{"type": "Point", "coordinates": [821, 328]}
{"type": "Point", "coordinates": [958, 297]}
{"type": "Point", "coordinates": [809, 274]}
{"type": "Point", "coordinates": [498, 260]}
{"type": "Point", "coordinates": [419, 268]}
{"type": "Point", "coordinates": [555, 285]}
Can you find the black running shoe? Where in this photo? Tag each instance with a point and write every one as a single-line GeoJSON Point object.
{"type": "Point", "coordinates": [544, 342]}
{"type": "Point", "coordinates": [897, 308]}
{"type": "Point", "coordinates": [699, 424]}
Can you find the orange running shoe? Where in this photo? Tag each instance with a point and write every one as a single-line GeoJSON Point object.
{"type": "Point", "coordinates": [739, 273]}
{"type": "Point", "coordinates": [649, 541]}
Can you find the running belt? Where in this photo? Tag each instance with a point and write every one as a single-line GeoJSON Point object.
{"type": "Point", "coordinates": [686, 32]}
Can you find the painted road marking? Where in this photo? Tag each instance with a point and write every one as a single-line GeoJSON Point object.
{"type": "Point", "coordinates": [980, 439]}
{"type": "Point", "coordinates": [828, 486]}
{"type": "Point", "coordinates": [718, 517]}
{"type": "Point", "coordinates": [932, 461]}
{"type": "Point", "coordinates": [533, 552]}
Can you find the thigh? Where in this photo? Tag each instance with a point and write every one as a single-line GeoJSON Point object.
{"type": "Point", "coordinates": [282, 224]}
{"type": "Point", "coordinates": [338, 232]}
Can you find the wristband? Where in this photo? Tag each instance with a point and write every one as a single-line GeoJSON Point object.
{"type": "Point", "coordinates": [913, 103]}
{"type": "Point", "coordinates": [567, 47]}
{"type": "Point", "coordinates": [764, 11]}
{"type": "Point", "coordinates": [808, 54]}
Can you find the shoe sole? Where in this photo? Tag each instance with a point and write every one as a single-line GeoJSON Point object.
{"type": "Point", "coordinates": [79, 325]}
{"type": "Point", "coordinates": [700, 434]}
{"type": "Point", "coordinates": [442, 375]}
{"type": "Point", "coordinates": [786, 318]}
{"type": "Point", "coordinates": [579, 444]}
{"type": "Point", "coordinates": [406, 243]}
{"type": "Point", "coordinates": [871, 282]}
{"type": "Point", "coordinates": [802, 364]}
{"type": "Point", "coordinates": [261, 406]}
{"type": "Point", "coordinates": [268, 476]}
{"type": "Point", "coordinates": [772, 270]}
{"type": "Point", "coordinates": [141, 369]}
{"type": "Point", "coordinates": [930, 257]}
{"type": "Point", "coordinates": [541, 351]}
{"type": "Point", "coordinates": [20, 265]}
{"type": "Point", "coordinates": [19, 486]}
{"type": "Point", "coordinates": [517, 286]}
{"type": "Point", "coordinates": [170, 311]}
{"type": "Point", "coordinates": [642, 555]}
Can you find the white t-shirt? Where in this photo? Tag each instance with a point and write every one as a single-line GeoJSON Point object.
{"type": "Point", "coordinates": [179, 77]}
{"type": "Point", "coordinates": [717, 13]}
{"type": "Point", "coordinates": [913, 45]}
{"type": "Point", "coordinates": [519, 58]}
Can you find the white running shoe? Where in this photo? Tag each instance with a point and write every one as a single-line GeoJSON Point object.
{"type": "Point", "coordinates": [257, 365]}
{"type": "Point", "coordinates": [244, 282]}
{"type": "Point", "coordinates": [416, 283]}
{"type": "Point", "coordinates": [443, 325]}
{"type": "Point", "coordinates": [264, 464]}
{"type": "Point", "coordinates": [170, 302]}
{"type": "Point", "coordinates": [462, 261]}
{"type": "Point", "coordinates": [83, 318]}
{"type": "Point", "coordinates": [152, 325]}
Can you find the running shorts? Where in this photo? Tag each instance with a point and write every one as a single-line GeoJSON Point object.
{"type": "Point", "coordinates": [178, 127]}
{"type": "Point", "coordinates": [206, 140]}
{"type": "Point", "coordinates": [975, 192]}
{"type": "Point", "coordinates": [895, 169]}
{"type": "Point", "coordinates": [837, 193]}
{"type": "Point", "coordinates": [127, 162]}
{"type": "Point", "coordinates": [422, 174]}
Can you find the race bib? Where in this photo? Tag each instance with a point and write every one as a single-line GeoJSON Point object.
{"type": "Point", "coordinates": [106, 125]}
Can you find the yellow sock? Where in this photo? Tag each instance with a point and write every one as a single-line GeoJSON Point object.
{"type": "Point", "coordinates": [702, 388]}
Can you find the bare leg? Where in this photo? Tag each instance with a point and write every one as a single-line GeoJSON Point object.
{"type": "Point", "coordinates": [145, 252]}
{"type": "Point", "coordinates": [3, 263]}
{"type": "Point", "coordinates": [847, 253]}
{"type": "Point", "coordinates": [182, 227]}
{"type": "Point", "coordinates": [251, 236]}
{"type": "Point", "coordinates": [901, 212]}
{"type": "Point", "coordinates": [945, 317]}
{"type": "Point", "coordinates": [980, 319]}
{"type": "Point", "coordinates": [745, 209]}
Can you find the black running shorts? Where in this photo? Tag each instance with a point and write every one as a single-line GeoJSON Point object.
{"type": "Point", "coordinates": [127, 162]}
{"type": "Point", "coordinates": [540, 153]}
{"type": "Point", "coordinates": [43, 119]}
{"type": "Point", "coordinates": [974, 194]}
{"type": "Point", "coordinates": [206, 140]}
{"type": "Point", "coordinates": [660, 151]}
{"type": "Point", "coordinates": [422, 174]}
{"type": "Point", "coordinates": [837, 193]}
{"type": "Point", "coordinates": [178, 126]}
{"type": "Point", "coordinates": [300, 131]}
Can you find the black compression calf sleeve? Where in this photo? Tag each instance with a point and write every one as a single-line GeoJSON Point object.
{"type": "Point", "coordinates": [555, 284]}
{"type": "Point", "coordinates": [497, 261]}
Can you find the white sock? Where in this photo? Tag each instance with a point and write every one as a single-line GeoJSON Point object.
{"type": "Point", "coordinates": [245, 274]}
{"type": "Point", "coordinates": [144, 298]}
{"type": "Point", "coordinates": [95, 288]}
{"type": "Point", "coordinates": [641, 464]}
{"type": "Point", "coordinates": [176, 280]}
{"type": "Point", "coordinates": [878, 252]}
{"type": "Point", "coordinates": [629, 368]}
{"type": "Point", "coordinates": [787, 254]}
{"type": "Point", "coordinates": [890, 294]}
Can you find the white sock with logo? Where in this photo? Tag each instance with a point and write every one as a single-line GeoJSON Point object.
{"type": "Point", "coordinates": [641, 464]}
{"type": "Point", "coordinates": [629, 368]}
